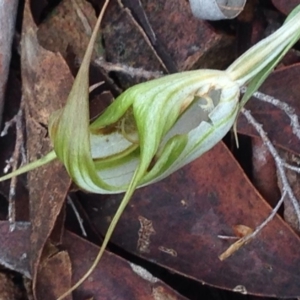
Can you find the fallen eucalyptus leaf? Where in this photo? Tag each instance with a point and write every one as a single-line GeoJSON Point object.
{"type": "Point", "coordinates": [217, 9]}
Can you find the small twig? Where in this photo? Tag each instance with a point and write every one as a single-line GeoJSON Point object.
{"type": "Point", "coordinates": [287, 109]}
{"type": "Point", "coordinates": [227, 237]}
{"type": "Point", "coordinates": [8, 125]}
{"type": "Point", "coordinates": [278, 161]}
{"type": "Point", "coordinates": [9, 163]}
{"type": "Point", "coordinates": [19, 150]}
{"type": "Point", "coordinates": [94, 86]}
{"type": "Point", "coordinates": [133, 72]}
{"type": "Point", "coordinates": [80, 220]}
{"type": "Point", "coordinates": [294, 123]}
{"type": "Point", "coordinates": [83, 18]}
{"type": "Point", "coordinates": [291, 167]}
{"type": "Point", "coordinates": [287, 190]}
{"type": "Point", "coordinates": [143, 33]}
{"type": "Point", "coordinates": [244, 240]}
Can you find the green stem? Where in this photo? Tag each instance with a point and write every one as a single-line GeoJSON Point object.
{"type": "Point", "coordinates": [108, 234]}
{"type": "Point", "coordinates": [31, 166]}
{"type": "Point", "coordinates": [262, 54]}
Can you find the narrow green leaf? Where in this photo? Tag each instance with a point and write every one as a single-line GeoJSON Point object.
{"type": "Point", "coordinates": [31, 166]}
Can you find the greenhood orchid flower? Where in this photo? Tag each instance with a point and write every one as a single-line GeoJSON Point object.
{"type": "Point", "coordinates": [154, 128]}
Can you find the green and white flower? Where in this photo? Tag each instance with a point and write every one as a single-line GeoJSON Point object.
{"type": "Point", "coordinates": [154, 128]}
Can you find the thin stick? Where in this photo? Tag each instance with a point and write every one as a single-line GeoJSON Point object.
{"type": "Point", "coordinates": [82, 17]}
{"type": "Point", "coordinates": [8, 125]}
{"type": "Point", "coordinates": [138, 72]}
{"type": "Point", "coordinates": [287, 190]}
{"type": "Point", "coordinates": [291, 167]}
{"type": "Point", "coordinates": [15, 159]}
{"type": "Point", "coordinates": [287, 109]}
{"type": "Point", "coordinates": [278, 161]}
{"type": "Point", "coordinates": [77, 215]}
{"type": "Point", "coordinates": [146, 38]}
{"type": "Point", "coordinates": [19, 151]}
{"type": "Point", "coordinates": [238, 244]}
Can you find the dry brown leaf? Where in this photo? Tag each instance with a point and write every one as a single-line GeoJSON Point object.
{"type": "Point", "coordinates": [15, 247]}
{"type": "Point", "coordinates": [46, 84]}
{"type": "Point", "coordinates": [55, 275]}
{"type": "Point", "coordinates": [242, 230]}
{"type": "Point", "coordinates": [68, 29]}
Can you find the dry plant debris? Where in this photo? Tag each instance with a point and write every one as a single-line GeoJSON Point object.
{"type": "Point", "coordinates": [190, 210]}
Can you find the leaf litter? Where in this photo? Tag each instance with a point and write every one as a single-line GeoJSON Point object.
{"type": "Point", "coordinates": [244, 209]}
